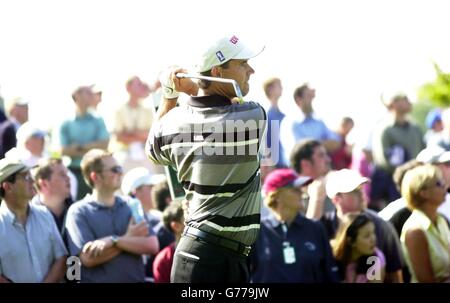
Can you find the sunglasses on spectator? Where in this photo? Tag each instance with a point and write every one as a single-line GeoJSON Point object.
{"type": "Point", "coordinates": [438, 183]}
{"type": "Point", "coordinates": [116, 169]}
{"type": "Point", "coordinates": [26, 177]}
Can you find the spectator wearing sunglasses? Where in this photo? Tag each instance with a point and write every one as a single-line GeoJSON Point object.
{"type": "Point", "coordinates": [100, 228]}
{"type": "Point", "coordinates": [426, 236]}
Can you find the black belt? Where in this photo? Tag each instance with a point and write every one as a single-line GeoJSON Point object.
{"type": "Point", "coordinates": [210, 238]}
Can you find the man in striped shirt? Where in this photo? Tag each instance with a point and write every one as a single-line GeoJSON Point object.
{"type": "Point", "coordinates": [213, 144]}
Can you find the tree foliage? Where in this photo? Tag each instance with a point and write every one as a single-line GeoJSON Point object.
{"type": "Point", "coordinates": [438, 91]}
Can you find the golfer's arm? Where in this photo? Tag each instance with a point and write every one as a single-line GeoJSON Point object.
{"type": "Point", "coordinates": [165, 107]}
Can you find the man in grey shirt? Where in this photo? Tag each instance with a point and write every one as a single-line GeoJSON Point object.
{"type": "Point", "coordinates": [100, 228]}
{"type": "Point", "coordinates": [31, 249]}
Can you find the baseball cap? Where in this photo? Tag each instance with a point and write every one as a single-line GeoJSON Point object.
{"type": "Point", "coordinates": [284, 177]}
{"type": "Point", "coordinates": [224, 50]}
{"type": "Point", "coordinates": [433, 155]}
{"type": "Point", "coordinates": [27, 130]}
{"type": "Point", "coordinates": [10, 166]}
{"type": "Point", "coordinates": [343, 181]}
{"type": "Point", "coordinates": [19, 101]}
{"type": "Point", "coordinates": [433, 116]}
{"type": "Point", "coordinates": [139, 176]}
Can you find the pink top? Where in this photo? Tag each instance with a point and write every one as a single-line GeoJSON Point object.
{"type": "Point", "coordinates": [352, 277]}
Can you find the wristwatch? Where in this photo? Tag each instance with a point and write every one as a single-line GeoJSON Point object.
{"type": "Point", "coordinates": [114, 240]}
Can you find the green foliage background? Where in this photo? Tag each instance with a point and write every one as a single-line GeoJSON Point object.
{"type": "Point", "coordinates": [431, 95]}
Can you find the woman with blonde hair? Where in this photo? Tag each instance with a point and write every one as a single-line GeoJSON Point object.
{"type": "Point", "coordinates": [354, 248]}
{"type": "Point", "coordinates": [425, 235]}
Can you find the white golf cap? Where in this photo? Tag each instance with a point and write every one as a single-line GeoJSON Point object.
{"type": "Point", "coordinates": [139, 176]}
{"type": "Point", "coordinates": [433, 155]}
{"type": "Point", "coordinates": [223, 50]}
{"type": "Point", "coordinates": [343, 181]}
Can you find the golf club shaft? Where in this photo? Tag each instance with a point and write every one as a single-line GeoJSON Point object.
{"type": "Point", "coordinates": [214, 79]}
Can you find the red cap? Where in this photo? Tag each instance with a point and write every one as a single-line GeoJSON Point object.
{"type": "Point", "coordinates": [284, 177]}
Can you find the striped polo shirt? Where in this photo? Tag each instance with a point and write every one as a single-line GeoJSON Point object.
{"type": "Point", "coordinates": [214, 147]}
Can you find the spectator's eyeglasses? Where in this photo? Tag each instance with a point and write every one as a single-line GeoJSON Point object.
{"type": "Point", "coordinates": [440, 183]}
{"type": "Point", "coordinates": [116, 169]}
{"type": "Point", "coordinates": [26, 177]}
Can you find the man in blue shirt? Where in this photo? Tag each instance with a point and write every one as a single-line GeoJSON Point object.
{"type": "Point", "coordinates": [305, 125]}
{"type": "Point", "coordinates": [31, 248]}
{"type": "Point", "coordinates": [290, 248]}
{"type": "Point", "coordinates": [273, 90]}
{"type": "Point", "coordinates": [100, 228]}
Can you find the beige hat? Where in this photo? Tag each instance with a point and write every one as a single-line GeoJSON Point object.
{"type": "Point", "coordinates": [223, 51]}
{"type": "Point", "coordinates": [343, 181]}
{"type": "Point", "coordinates": [10, 166]}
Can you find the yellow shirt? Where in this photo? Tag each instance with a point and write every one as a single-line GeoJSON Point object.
{"type": "Point", "coordinates": [438, 238]}
{"type": "Point", "coordinates": [129, 118]}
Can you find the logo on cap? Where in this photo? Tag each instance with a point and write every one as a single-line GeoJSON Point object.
{"type": "Point", "coordinates": [234, 40]}
{"type": "Point", "coordinates": [220, 56]}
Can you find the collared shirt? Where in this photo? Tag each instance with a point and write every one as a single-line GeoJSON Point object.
{"type": "Point", "coordinates": [294, 129]}
{"type": "Point", "coordinates": [214, 147]}
{"type": "Point", "coordinates": [59, 220]}
{"type": "Point", "coordinates": [438, 239]}
{"type": "Point", "coordinates": [314, 260]}
{"type": "Point", "coordinates": [28, 252]}
{"type": "Point", "coordinates": [89, 220]}
{"type": "Point", "coordinates": [387, 238]}
{"type": "Point", "coordinates": [82, 130]}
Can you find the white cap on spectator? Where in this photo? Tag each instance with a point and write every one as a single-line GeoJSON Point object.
{"type": "Point", "coordinates": [343, 181]}
{"type": "Point", "coordinates": [17, 101]}
{"type": "Point", "coordinates": [433, 155]}
{"type": "Point", "coordinates": [139, 176]}
{"type": "Point", "coordinates": [26, 131]}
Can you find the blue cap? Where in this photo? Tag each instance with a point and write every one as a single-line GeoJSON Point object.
{"type": "Point", "coordinates": [433, 116]}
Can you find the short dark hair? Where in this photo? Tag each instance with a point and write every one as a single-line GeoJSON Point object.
{"type": "Point", "coordinates": [160, 193]}
{"type": "Point", "coordinates": [204, 84]}
{"type": "Point", "coordinates": [10, 179]}
{"type": "Point", "coordinates": [299, 91]}
{"type": "Point", "coordinates": [44, 170]}
{"type": "Point", "coordinates": [303, 150]}
{"type": "Point", "coordinates": [173, 212]}
{"type": "Point", "coordinates": [92, 161]}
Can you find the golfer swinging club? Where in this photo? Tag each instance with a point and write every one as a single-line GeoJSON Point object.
{"type": "Point", "coordinates": [213, 144]}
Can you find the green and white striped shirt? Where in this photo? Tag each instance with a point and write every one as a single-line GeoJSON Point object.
{"type": "Point", "coordinates": [214, 147]}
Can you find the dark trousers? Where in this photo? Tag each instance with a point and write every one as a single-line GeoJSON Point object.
{"type": "Point", "coordinates": [196, 261]}
{"type": "Point", "coordinates": [383, 189]}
